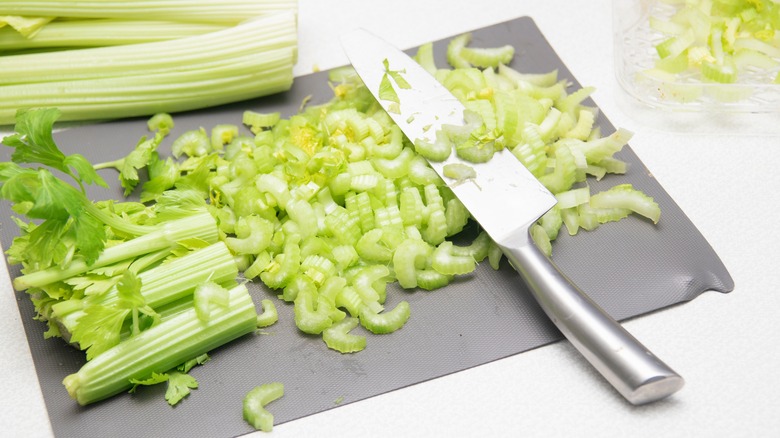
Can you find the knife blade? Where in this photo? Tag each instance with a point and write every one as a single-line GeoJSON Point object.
{"type": "Point", "coordinates": [506, 199]}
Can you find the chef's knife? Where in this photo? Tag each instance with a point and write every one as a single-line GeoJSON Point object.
{"type": "Point", "coordinates": [506, 199]}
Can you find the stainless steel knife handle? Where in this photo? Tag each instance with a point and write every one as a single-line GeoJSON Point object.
{"type": "Point", "coordinates": [628, 365]}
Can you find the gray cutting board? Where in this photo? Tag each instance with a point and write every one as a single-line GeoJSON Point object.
{"type": "Point", "coordinates": [630, 268]}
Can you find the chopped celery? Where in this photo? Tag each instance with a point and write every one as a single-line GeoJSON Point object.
{"type": "Point", "coordinates": [269, 315]}
{"type": "Point", "coordinates": [255, 402]}
{"type": "Point", "coordinates": [339, 338]}
{"type": "Point", "coordinates": [716, 41]}
{"type": "Point", "coordinates": [386, 322]}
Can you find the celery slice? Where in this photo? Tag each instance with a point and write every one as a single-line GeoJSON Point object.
{"type": "Point", "coordinates": [338, 338]}
{"type": "Point", "coordinates": [254, 410]}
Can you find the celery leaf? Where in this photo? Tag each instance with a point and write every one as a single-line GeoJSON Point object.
{"type": "Point", "coordinates": [34, 143]}
{"type": "Point", "coordinates": [179, 385]}
{"type": "Point", "coordinates": [99, 329]}
{"type": "Point", "coordinates": [38, 194]}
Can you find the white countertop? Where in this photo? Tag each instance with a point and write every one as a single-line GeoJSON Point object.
{"type": "Point", "coordinates": [726, 346]}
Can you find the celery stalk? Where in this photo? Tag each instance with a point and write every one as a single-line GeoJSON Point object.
{"type": "Point", "coordinates": [163, 284]}
{"type": "Point", "coordinates": [101, 32]}
{"type": "Point", "coordinates": [248, 60]}
{"type": "Point", "coordinates": [162, 348]}
{"type": "Point", "coordinates": [168, 235]}
{"type": "Point", "coordinates": [199, 11]}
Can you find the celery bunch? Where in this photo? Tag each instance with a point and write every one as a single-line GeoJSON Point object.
{"type": "Point", "coordinates": [121, 59]}
{"type": "Point", "coordinates": [120, 280]}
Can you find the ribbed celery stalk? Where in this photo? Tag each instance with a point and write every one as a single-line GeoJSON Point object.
{"type": "Point", "coordinates": [204, 11]}
{"type": "Point", "coordinates": [161, 285]}
{"type": "Point", "coordinates": [162, 348]}
{"type": "Point", "coordinates": [248, 60]}
{"type": "Point", "coordinates": [101, 32]}
{"type": "Point", "coordinates": [202, 226]}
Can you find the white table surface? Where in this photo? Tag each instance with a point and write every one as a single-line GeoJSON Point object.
{"type": "Point", "coordinates": [726, 346]}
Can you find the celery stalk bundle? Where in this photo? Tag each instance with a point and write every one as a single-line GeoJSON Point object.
{"type": "Point", "coordinates": [120, 59]}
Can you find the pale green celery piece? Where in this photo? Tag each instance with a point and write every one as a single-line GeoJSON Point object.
{"type": "Point", "coordinates": [725, 73]}
{"type": "Point", "coordinates": [410, 256]}
{"type": "Point", "coordinates": [161, 348]}
{"type": "Point", "coordinates": [276, 187]}
{"type": "Point", "coordinates": [430, 279]}
{"type": "Point", "coordinates": [425, 58]}
{"type": "Point", "coordinates": [302, 213]}
{"type": "Point", "coordinates": [477, 249]}
{"type": "Point", "coordinates": [675, 45]}
{"type": "Point", "coordinates": [307, 319]}
{"type": "Point", "coordinates": [679, 63]}
{"type": "Point", "coordinates": [258, 265]}
{"type": "Point", "coordinates": [349, 299]}
{"type": "Point", "coordinates": [318, 268]}
{"type": "Point", "coordinates": [494, 255]}
{"type": "Point", "coordinates": [269, 316]}
{"type": "Point", "coordinates": [253, 235]}
{"type": "Point", "coordinates": [396, 167]}
{"type": "Point", "coordinates": [283, 267]}
{"type": "Point", "coordinates": [459, 172]}
{"type": "Point", "coordinates": [369, 247]}
{"type": "Point", "coordinates": [162, 122]}
{"type": "Point", "coordinates": [446, 262]}
{"type": "Point", "coordinates": [454, 48]}
{"type": "Point", "coordinates": [205, 295]}
{"type": "Point", "coordinates": [222, 134]}
{"type": "Point", "coordinates": [584, 125]}
{"type": "Point", "coordinates": [570, 218]}
{"type": "Point", "coordinates": [439, 150]}
{"type": "Point", "coordinates": [436, 229]}
{"type": "Point", "coordinates": [166, 235]}
{"type": "Point", "coordinates": [552, 222]}
{"type": "Point", "coordinates": [257, 122]}
{"type": "Point", "coordinates": [604, 147]}
{"type": "Point", "coordinates": [539, 79]}
{"type": "Point", "coordinates": [590, 217]}
{"type": "Point", "coordinates": [360, 204]}
{"type": "Point", "coordinates": [411, 206]}
{"type": "Point", "coordinates": [388, 217]}
{"type": "Point", "coordinates": [371, 283]}
{"type": "Point", "coordinates": [626, 197]}
{"type": "Point", "coordinates": [193, 143]}
{"type": "Point", "coordinates": [564, 172]}
{"type": "Point", "coordinates": [488, 57]}
{"type": "Point", "coordinates": [386, 322]}
{"type": "Point", "coordinates": [338, 337]}
{"type": "Point", "coordinates": [102, 32]}
{"type": "Point", "coordinates": [573, 197]}
{"type": "Point", "coordinates": [541, 239]}
{"type": "Point", "coordinates": [456, 216]}
{"type": "Point", "coordinates": [344, 226]}
{"type": "Point", "coordinates": [572, 101]}
{"type": "Point", "coordinates": [345, 256]}
{"type": "Point", "coordinates": [757, 45]}
{"type": "Point", "coordinates": [254, 411]}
